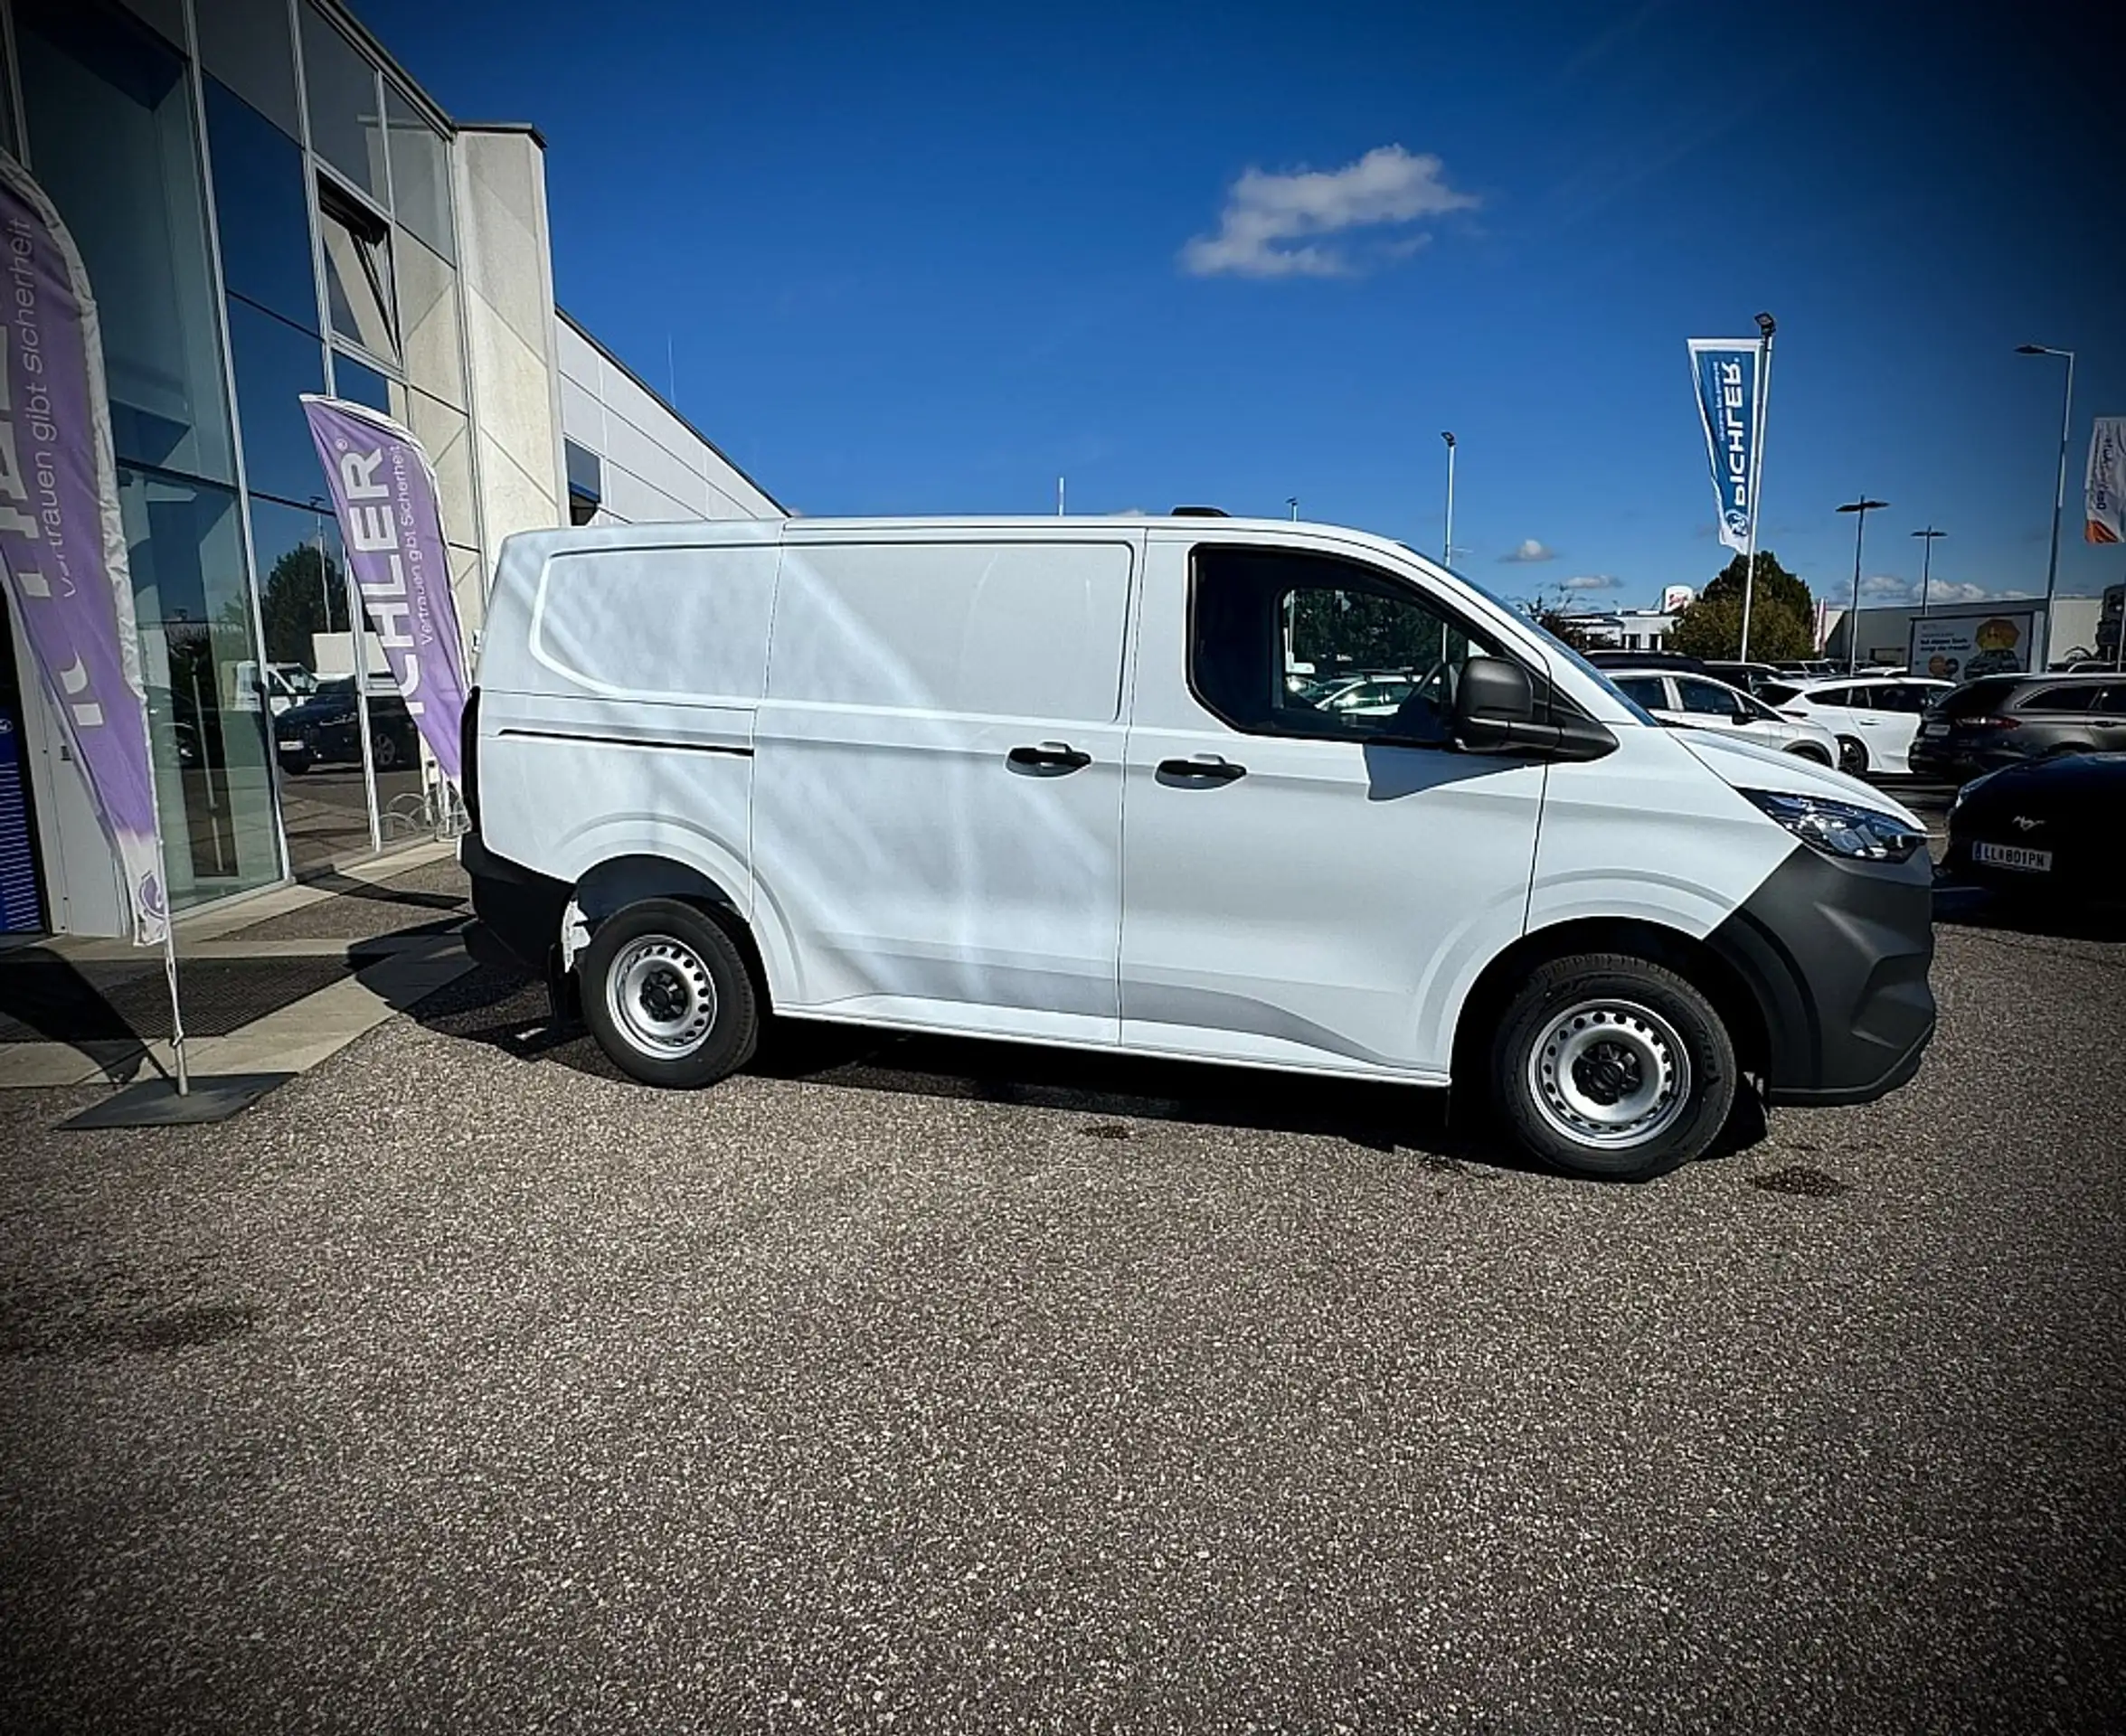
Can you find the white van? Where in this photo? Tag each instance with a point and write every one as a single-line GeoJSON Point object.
{"type": "Point", "coordinates": [1054, 779]}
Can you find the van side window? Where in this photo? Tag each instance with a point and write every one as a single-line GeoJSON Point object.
{"type": "Point", "coordinates": [1288, 644]}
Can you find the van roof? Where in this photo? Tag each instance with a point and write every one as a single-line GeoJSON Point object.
{"type": "Point", "coordinates": [540, 545]}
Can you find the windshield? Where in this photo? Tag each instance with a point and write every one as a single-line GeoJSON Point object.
{"type": "Point", "coordinates": [1564, 650]}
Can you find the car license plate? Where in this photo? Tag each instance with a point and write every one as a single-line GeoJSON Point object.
{"type": "Point", "coordinates": [1935, 729]}
{"type": "Point", "coordinates": [291, 740]}
{"type": "Point", "coordinates": [2010, 855]}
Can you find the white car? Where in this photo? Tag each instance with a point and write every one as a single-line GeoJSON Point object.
{"type": "Point", "coordinates": [1047, 779]}
{"type": "Point", "coordinates": [1698, 702]}
{"type": "Point", "coordinates": [1875, 718]}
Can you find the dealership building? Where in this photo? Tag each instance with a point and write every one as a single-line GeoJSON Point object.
{"type": "Point", "coordinates": [266, 205]}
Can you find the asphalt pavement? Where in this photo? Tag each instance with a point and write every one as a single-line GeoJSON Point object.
{"type": "Point", "coordinates": [462, 1385]}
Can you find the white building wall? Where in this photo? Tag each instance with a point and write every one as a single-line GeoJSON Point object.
{"type": "Point", "coordinates": [656, 468]}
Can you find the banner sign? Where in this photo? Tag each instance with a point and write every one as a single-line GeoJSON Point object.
{"type": "Point", "coordinates": [384, 493]}
{"type": "Point", "coordinates": [1731, 406]}
{"type": "Point", "coordinates": [62, 545]}
{"type": "Point", "coordinates": [2106, 491]}
{"type": "Point", "coordinates": [1962, 647]}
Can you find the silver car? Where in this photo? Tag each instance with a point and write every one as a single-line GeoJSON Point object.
{"type": "Point", "coordinates": [1698, 702]}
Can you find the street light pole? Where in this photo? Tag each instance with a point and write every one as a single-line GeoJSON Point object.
{"type": "Point", "coordinates": [1446, 548]}
{"type": "Point", "coordinates": [1926, 565]}
{"type": "Point", "coordinates": [1859, 509]}
{"type": "Point", "coordinates": [2059, 494]}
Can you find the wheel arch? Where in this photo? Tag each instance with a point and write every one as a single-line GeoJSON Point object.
{"type": "Point", "coordinates": [619, 881]}
{"type": "Point", "coordinates": [1691, 959]}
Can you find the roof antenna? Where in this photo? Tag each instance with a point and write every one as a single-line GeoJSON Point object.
{"type": "Point", "coordinates": [671, 375]}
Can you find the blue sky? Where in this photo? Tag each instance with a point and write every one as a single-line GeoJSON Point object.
{"type": "Point", "coordinates": [927, 264]}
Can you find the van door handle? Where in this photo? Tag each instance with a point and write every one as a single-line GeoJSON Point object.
{"type": "Point", "coordinates": [1208, 770]}
{"type": "Point", "coordinates": [1050, 759]}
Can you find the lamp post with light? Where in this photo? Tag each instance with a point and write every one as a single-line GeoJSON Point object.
{"type": "Point", "coordinates": [2059, 493]}
{"type": "Point", "coordinates": [1446, 548]}
{"type": "Point", "coordinates": [1926, 564]}
{"type": "Point", "coordinates": [1859, 509]}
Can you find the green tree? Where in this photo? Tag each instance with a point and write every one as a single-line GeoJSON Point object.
{"type": "Point", "coordinates": [300, 600]}
{"type": "Point", "coordinates": [1782, 615]}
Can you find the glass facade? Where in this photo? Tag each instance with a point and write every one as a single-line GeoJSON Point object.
{"type": "Point", "coordinates": [301, 239]}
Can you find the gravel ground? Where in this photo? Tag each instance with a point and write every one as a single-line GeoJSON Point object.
{"type": "Point", "coordinates": [461, 1386]}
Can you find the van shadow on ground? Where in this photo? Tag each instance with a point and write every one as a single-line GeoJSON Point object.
{"type": "Point", "coordinates": [509, 1012]}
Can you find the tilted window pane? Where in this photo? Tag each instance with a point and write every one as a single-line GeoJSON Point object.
{"type": "Point", "coordinates": [110, 119]}
{"type": "Point", "coordinates": [274, 364]}
{"type": "Point", "coordinates": [421, 174]}
{"type": "Point", "coordinates": [259, 202]}
{"type": "Point", "coordinates": [245, 44]}
{"type": "Point", "coordinates": [357, 272]}
{"type": "Point", "coordinates": [345, 128]}
{"type": "Point", "coordinates": [446, 437]}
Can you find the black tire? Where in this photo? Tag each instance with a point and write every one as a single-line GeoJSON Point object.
{"type": "Point", "coordinates": [665, 957]}
{"type": "Point", "coordinates": [1809, 752]}
{"type": "Point", "coordinates": [1660, 1021]}
{"type": "Point", "coordinates": [1852, 756]}
{"type": "Point", "coordinates": [383, 751]}
{"type": "Point", "coordinates": [295, 764]}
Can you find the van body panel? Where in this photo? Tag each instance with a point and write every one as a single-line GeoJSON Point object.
{"type": "Point", "coordinates": [920, 872]}
{"type": "Point", "coordinates": [1331, 908]}
{"type": "Point", "coordinates": [1648, 834]}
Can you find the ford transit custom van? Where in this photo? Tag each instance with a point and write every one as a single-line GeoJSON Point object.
{"type": "Point", "coordinates": [1088, 782]}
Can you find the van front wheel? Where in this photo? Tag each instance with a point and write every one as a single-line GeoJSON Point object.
{"type": "Point", "coordinates": [667, 995]}
{"type": "Point", "coordinates": [1609, 1066]}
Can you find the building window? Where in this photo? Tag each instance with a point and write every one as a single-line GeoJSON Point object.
{"type": "Point", "coordinates": [258, 201]}
{"type": "Point", "coordinates": [347, 128]}
{"type": "Point", "coordinates": [245, 44]}
{"type": "Point", "coordinates": [357, 271]}
{"type": "Point", "coordinates": [361, 385]}
{"type": "Point", "coordinates": [586, 482]}
{"type": "Point", "coordinates": [110, 119]}
{"type": "Point", "coordinates": [421, 174]}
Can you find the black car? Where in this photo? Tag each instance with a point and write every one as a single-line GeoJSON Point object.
{"type": "Point", "coordinates": [2050, 828]}
{"type": "Point", "coordinates": [325, 730]}
{"type": "Point", "coordinates": [2001, 720]}
{"type": "Point", "coordinates": [1748, 677]}
{"type": "Point", "coordinates": [1671, 661]}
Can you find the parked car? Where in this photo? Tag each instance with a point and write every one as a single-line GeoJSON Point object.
{"type": "Point", "coordinates": [1607, 660]}
{"type": "Point", "coordinates": [1748, 677]}
{"type": "Point", "coordinates": [326, 728]}
{"type": "Point", "coordinates": [909, 812]}
{"type": "Point", "coordinates": [2045, 828]}
{"type": "Point", "coordinates": [1698, 702]}
{"type": "Point", "coordinates": [1875, 718]}
{"type": "Point", "coordinates": [2000, 720]}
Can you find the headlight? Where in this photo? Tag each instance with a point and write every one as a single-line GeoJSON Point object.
{"type": "Point", "coordinates": [1840, 828]}
{"type": "Point", "coordinates": [1957, 801]}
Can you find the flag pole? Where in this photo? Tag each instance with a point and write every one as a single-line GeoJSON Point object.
{"type": "Point", "coordinates": [1766, 325]}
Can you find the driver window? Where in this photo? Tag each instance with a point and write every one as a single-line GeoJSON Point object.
{"type": "Point", "coordinates": [1287, 643]}
{"type": "Point", "coordinates": [1703, 699]}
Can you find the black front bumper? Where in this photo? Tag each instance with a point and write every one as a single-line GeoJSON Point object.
{"type": "Point", "coordinates": [1835, 954]}
{"type": "Point", "coordinates": [518, 909]}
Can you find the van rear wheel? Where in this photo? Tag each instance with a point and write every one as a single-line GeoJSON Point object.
{"type": "Point", "coordinates": [1611, 1066]}
{"type": "Point", "coordinates": [667, 995]}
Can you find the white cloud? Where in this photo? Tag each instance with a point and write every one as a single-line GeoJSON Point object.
{"type": "Point", "coordinates": [1265, 214]}
{"type": "Point", "coordinates": [1886, 589]}
{"type": "Point", "coordinates": [1592, 582]}
{"type": "Point", "coordinates": [1530, 550]}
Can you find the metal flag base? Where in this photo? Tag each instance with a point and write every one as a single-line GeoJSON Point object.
{"type": "Point", "coordinates": [158, 1102]}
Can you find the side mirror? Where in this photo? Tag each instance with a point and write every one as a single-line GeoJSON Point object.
{"type": "Point", "coordinates": [1494, 704]}
{"type": "Point", "coordinates": [1495, 712]}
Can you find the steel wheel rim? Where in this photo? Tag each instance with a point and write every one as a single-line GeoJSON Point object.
{"type": "Point", "coordinates": [1610, 1075]}
{"type": "Point", "coordinates": [661, 997]}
